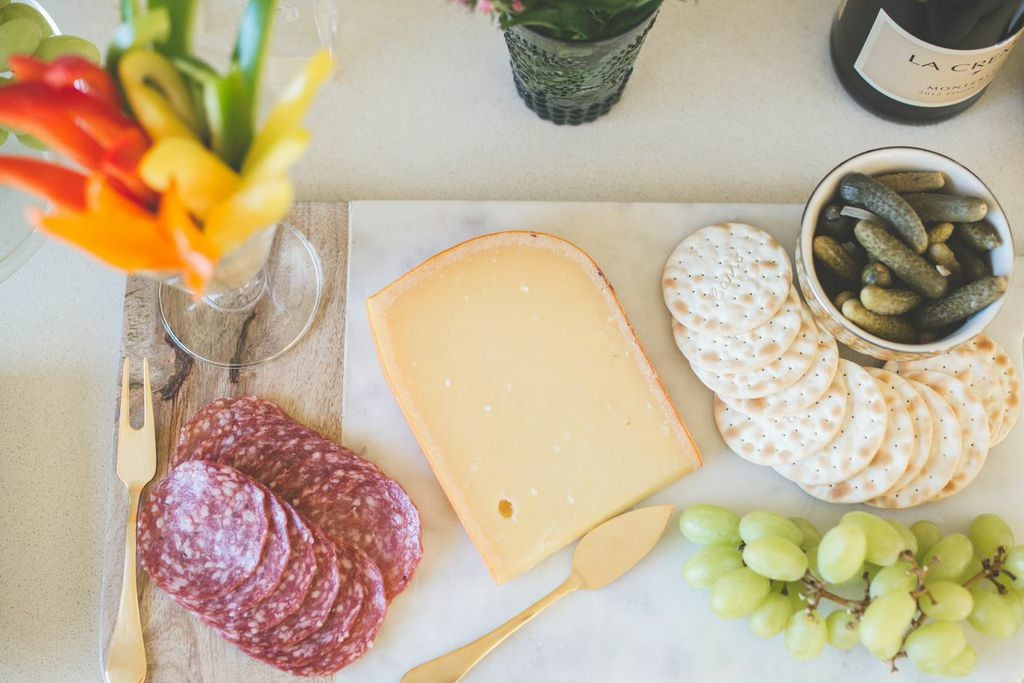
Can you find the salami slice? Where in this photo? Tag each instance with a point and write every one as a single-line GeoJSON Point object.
{"type": "Point", "coordinates": [273, 448]}
{"type": "Point", "coordinates": [311, 614]}
{"type": "Point", "coordinates": [376, 516]}
{"type": "Point", "coordinates": [219, 426]}
{"type": "Point", "coordinates": [354, 568]}
{"type": "Point", "coordinates": [361, 634]}
{"type": "Point", "coordinates": [236, 607]}
{"type": "Point", "coordinates": [323, 466]}
{"type": "Point", "coordinates": [202, 531]}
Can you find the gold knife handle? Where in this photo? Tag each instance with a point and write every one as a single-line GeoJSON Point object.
{"type": "Point", "coordinates": [126, 654]}
{"type": "Point", "coordinates": [453, 666]}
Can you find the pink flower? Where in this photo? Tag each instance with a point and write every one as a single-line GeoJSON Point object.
{"type": "Point", "coordinates": [517, 5]}
{"type": "Point", "coordinates": [485, 6]}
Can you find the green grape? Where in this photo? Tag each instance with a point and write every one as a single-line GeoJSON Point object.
{"type": "Point", "coordinates": [806, 636]}
{"type": "Point", "coordinates": [988, 533]}
{"type": "Point", "coordinates": [909, 539]}
{"type": "Point", "coordinates": [841, 553]}
{"type": "Point", "coordinates": [3, 135]}
{"type": "Point", "coordinates": [954, 552]}
{"type": "Point", "coordinates": [1016, 603]}
{"type": "Point", "coordinates": [1015, 565]}
{"type": "Point", "coordinates": [22, 12]}
{"type": "Point", "coordinates": [811, 534]}
{"type": "Point", "coordinates": [812, 559]}
{"type": "Point", "coordinates": [884, 543]}
{"type": "Point", "coordinates": [946, 601]}
{"type": "Point", "coordinates": [770, 619]}
{"type": "Point", "coordinates": [884, 622]}
{"type": "Point", "coordinates": [710, 524]}
{"type": "Point", "coordinates": [31, 142]}
{"type": "Point", "coordinates": [58, 46]}
{"type": "Point", "coordinates": [701, 570]}
{"type": "Point", "coordinates": [843, 630]}
{"type": "Point", "coordinates": [961, 665]}
{"type": "Point", "coordinates": [795, 592]}
{"type": "Point", "coordinates": [738, 593]}
{"type": "Point", "coordinates": [992, 615]}
{"type": "Point", "coordinates": [972, 568]}
{"type": "Point", "coordinates": [755, 525]}
{"type": "Point", "coordinates": [896, 577]}
{"type": "Point", "coordinates": [776, 558]}
{"type": "Point", "coordinates": [935, 644]}
{"type": "Point", "coordinates": [17, 37]}
{"type": "Point", "coordinates": [927, 535]}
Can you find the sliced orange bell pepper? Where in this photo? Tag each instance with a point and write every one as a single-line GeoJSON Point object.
{"type": "Point", "coordinates": [196, 252]}
{"type": "Point", "coordinates": [58, 185]}
{"type": "Point", "coordinates": [202, 179]}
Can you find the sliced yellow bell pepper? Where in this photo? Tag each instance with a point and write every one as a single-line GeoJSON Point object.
{"type": "Point", "coordinates": [279, 156]}
{"type": "Point", "coordinates": [286, 115]}
{"type": "Point", "coordinates": [201, 177]}
{"type": "Point", "coordinates": [255, 206]}
{"type": "Point", "coordinates": [157, 94]}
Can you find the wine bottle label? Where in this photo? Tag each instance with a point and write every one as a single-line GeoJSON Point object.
{"type": "Point", "coordinates": [912, 71]}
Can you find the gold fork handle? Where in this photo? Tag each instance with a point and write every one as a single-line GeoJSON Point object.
{"type": "Point", "coordinates": [453, 666]}
{"type": "Point", "coordinates": [126, 654]}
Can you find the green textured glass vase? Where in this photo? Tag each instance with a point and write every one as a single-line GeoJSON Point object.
{"type": "Point", "coordinates": [573, 82]}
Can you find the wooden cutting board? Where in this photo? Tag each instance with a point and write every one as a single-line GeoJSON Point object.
{"type": "Point", "coordinates": [306, 382]}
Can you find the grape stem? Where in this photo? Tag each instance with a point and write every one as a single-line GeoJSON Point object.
{"type": "Point", "coordinates": [992, 568]}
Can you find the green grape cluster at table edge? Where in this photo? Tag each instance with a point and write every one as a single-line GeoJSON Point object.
{"type": "Point", "coordinates": [899, 592]}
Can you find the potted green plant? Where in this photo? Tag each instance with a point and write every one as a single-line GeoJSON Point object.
{"type": "Point", "coordinates": [571, 59]}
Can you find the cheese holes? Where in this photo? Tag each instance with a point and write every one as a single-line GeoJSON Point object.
{"type": "Point", "coordinates": [505, 508]}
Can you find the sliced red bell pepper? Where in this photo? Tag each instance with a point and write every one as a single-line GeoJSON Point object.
{"type": "Point", "coordinates": [121, 165]}
{"type": "Point", "coordinates": [58, 185]}
{"type": "Point", "coordinates": [68, 72]}
{"type": "Point", "coordinates": [105, 124]}
{"type": "Point", "coordinates": [28, 108]}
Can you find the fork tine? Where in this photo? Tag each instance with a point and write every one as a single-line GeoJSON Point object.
{"type": "Point", "coordinates": [125, 420]}
{"type": "Point", "coordinates": [147, 417]}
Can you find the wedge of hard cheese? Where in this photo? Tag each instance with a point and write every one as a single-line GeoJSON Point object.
{"type": "Point", "coordinates": [528, 392]}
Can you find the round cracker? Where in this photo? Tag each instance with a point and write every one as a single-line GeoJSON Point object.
{"type": "Point", "coordinates": [773, 441]}
{"type": "Point", "coordinates": [970, 367]}
{"type": "Point", "coordinates": [774, 377]}
{"type": "Point", "coordinates": [726, 279]}
{"type": "Point", "coordinates": [919, 414]}
{"type": "Point", "coordinates": [747, 350]}
{"type": "Point", "coordinates": [943, 456]}
{"type": "Point", "coordinates": [899, 447]}
{"type": "Point", "coordinates": [805, 392]}
{"type": "Point", "coordinates": [973, 425]}
{"type": "Point", "coordinates": [858, 439]}
{"type": "Point", "coordinates": [1000, 360]}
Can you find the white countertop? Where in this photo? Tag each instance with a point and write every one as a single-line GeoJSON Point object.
{"type": "Point", "coordinates": [732, 101]}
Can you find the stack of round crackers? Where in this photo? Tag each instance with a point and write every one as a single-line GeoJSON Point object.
{"type": "Point", "coordinates": [894, 437]}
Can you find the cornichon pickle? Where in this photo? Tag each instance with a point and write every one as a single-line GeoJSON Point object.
{"type": "Point", "coordinates": [843, 297]}
{"type": "Point", "coordinates": [910, 267]}
{"type": "Point", "coordinates": [855, 251]}
{"type": "Point", "coordinates": [876, 274]}
{"type": "Point", "coordinates": [940, 232]}
{"type": "Point", "coordinates": [889, 327]}
{"type": "Point", "coordinates": [963, 302]}
{"type": "Point", "coordinates": [832, 255]}
{"type": "Point", "coordinates": [973, 264]}
{"type": "Point", "coordinates": [931, 207]}
{"type": "Point", "coordinates": [888, 301]}
{"type": "Point", "coordinates": [913, 181]}
{"type": "Point", "coordinates": [942, 255]}
{"type": "Point", "coordinates": [867, 193]}
{"type": "Point", "coordinates": [834, 224]}
{"type": "Point", "coordinates": [980, 235]}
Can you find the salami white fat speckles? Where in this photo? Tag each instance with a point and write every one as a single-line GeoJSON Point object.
{"type": "Point", "coordinates": [288, 544]}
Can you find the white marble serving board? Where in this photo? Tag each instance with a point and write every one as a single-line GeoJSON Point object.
{"type": "Point", "coordinates": [650, 626]}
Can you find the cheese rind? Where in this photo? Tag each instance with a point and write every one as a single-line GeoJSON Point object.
{"type": "Point", "coordinates": [528, 392]}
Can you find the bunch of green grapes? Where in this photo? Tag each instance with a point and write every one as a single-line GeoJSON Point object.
{"type": "Point", "coordinates": [917, 586]}
{"type": "Point", "coordinates": [24, 31]}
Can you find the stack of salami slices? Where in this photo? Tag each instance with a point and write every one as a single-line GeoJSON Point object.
{"type": "Point", "coordinates": [897, 437]}
{"type": "Point", "coordinates": [286, 543]}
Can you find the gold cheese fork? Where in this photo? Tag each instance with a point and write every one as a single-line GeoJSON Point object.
{"type": "Point", "coordinates": [603, 555]}
{"type": "Point", "coordinates": [136, 465]}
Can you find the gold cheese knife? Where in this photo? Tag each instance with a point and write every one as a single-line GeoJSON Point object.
{"type": "Point", "coordinates": [603, 555]}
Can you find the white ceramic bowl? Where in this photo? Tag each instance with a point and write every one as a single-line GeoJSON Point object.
{"type": "Point", "coordinates": [888, 160]}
